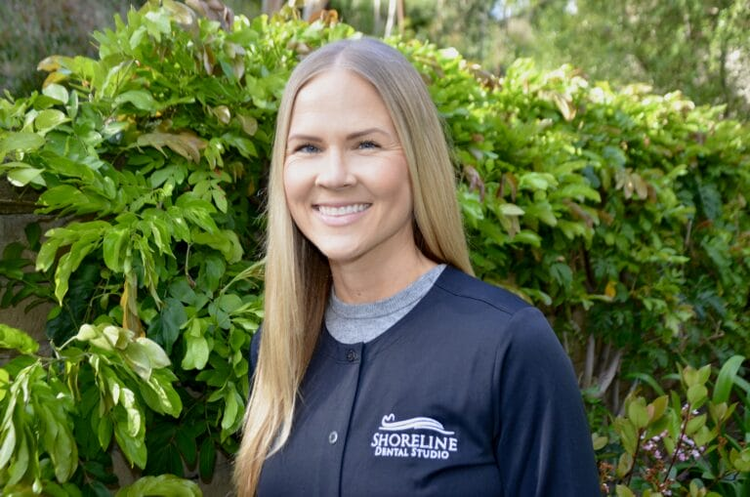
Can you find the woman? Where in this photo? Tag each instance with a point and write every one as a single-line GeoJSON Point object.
{"type": "Point", "coordinates": [383, 367]}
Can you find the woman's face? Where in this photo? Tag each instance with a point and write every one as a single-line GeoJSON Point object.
{"type": "Point", "coordinates": [345, 174]}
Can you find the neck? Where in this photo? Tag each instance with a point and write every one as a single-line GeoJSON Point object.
{"type": "Point", "coordinates": [358, 282]}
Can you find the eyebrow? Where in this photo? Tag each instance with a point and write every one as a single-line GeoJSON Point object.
{"type": "Point", "coordinates": [351, 136]}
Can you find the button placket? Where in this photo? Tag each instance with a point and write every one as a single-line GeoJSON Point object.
{"type": "Point", "coordinates": [348, 362]}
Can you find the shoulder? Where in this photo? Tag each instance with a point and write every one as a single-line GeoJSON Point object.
{"type": "Point", "coordinates": [493, 315]}
{"type": "Point", "coordinates": [474, 292]}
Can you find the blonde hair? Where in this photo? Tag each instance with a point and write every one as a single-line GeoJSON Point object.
{"type": "Point", "coordinates": [298, 276]}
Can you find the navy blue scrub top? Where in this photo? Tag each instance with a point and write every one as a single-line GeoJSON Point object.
{"type": "Point", "coordinates": [470, 393]}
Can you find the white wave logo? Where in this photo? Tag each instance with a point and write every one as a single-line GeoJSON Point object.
{"type": "Point", "coordinates": [420, 423]}
{"type": "Point", "coordinates": [401, 439]}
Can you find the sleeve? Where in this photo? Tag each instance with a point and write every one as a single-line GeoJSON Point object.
{"type": "Point", "coordinates": [544, 443]}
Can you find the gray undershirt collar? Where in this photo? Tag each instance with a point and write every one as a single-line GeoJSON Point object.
{"type": "Point", "coordinates": [357, 323]}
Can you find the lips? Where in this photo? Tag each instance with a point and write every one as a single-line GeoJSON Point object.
{"type": "Point", "coordinates": [343, 210]}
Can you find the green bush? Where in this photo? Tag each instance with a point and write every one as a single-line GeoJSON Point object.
{"type": "Point", "coordinates": [620, 213]}
{"type": "Point", "coordinates": [681, 443]}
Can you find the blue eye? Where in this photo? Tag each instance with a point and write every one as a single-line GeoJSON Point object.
{"type": "Point", "coordinates": [368, 144]}
{"type": "Point", "coordinates": [307, 149]}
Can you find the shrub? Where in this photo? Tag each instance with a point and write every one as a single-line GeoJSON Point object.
{"type": "Point", "coordinates": [684, 442]}
{"type": "Point", "coordinates": [621, 213]}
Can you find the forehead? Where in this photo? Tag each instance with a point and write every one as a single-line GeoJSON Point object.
{"type": "Point", "coordinates": [336, 82]}
{"type": "Point", "coordinates": [338, 94]}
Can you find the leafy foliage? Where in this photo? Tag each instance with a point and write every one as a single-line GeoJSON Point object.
{"type": "Point", "coordinates": [681, 443]}
{"type": "Point", "coordinates": [697, 47]}
{"type": "Point", "coordinates": [621, 213]}
{"type": "Point", "coordinates": [50, 408]}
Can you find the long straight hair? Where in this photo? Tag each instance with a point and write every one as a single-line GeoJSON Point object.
{"type": "Point", "coordinates": [298, 277]}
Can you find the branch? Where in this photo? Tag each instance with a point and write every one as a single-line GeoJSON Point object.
{"type": "Point", "coordinates": [609, 375]}
{"type": "Point", "coordinates": [588, 370]}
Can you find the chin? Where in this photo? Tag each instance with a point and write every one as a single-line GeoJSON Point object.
{"type": "Point", "coordinates": [339, 252]}
{"type": "Point", "coordinates": [339, 257]}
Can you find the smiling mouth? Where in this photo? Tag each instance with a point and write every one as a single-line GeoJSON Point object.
{"type": "Point", "coordinates": [344, 210]}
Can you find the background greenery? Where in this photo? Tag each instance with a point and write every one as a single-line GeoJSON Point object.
{"type": "Point", "coordinates": [699, 47]}
{"type": "Point", "coordinates": [621, 212]}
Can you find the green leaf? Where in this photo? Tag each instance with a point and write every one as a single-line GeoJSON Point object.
{"type": "Point", "coordinates": [160, 395]}
{"type": "Point", "coordinates": [114, 242]}
{"type": "Point", "coordinates": [528, 237]}
{"type": "Point", "coordinates": [4, 383]}
{"type": "Point", "coordinates": [623, 491]}
{"type": "Point", "coordinates": [243, 145]}
{"type": "Point", "coordinates": [173, 174]}
{"type": "Point", "coordinates": [657, 408]}
{"type": "Point", "coordinates": [211, 273]}
{"type": "Point", "coordinates": [23, 141]}
{"type": "Point", "coordinates": [197, 353]}
{"type": "Point", "coordinates": [9, 444]}
{"type": "Point", "coordinates": [627, 431]}
{"type": "Point", "coordinates": [232, 410]}
{"type": "Point", "coordinates": [207, 459]}
{"type": "Point", "coordinates": [740, 460]}
{"type": "Point", "coordinates": [599, 441]}
{"type": "Point", "coordinates": [697, 395]}
{"type": "Point", "coordinates": [161, 485]}
{"type": "Point", "coordinates": [187, 446]}
{"type": "Point", "coordinates": [543, 211]}
{"type": "Point", "coordinates": [695, 424]}
{"type": "Point", "coordinates": [624, 465]}
{"type": "Point", "coordinates": [104, 432]}
{"type": "Point", "coordinates": [155, 354]}
{"type": "Point", "coordinates": [561, 273]}
{"type": "Point", "coordinates": [725, 380]}
{"type": "Point", "coordinates": [225, 241]}
{"type": "Point", "coordinates": [141, 99]}
{"type": "Point", "coordinates": [132, 446]}
{"type": "Point", "coordinates": [65, 452]}
{"type": "Point", "coordinates": [536, 181]}
{"type": "Point", "coordinates": [511, 210]}
{"type": "Point", "coordinates": [48, 119]}
{"type": "Point", "coordinates": [164, 378]}
{"type": "Point", "coordinates": [20, 463]}
{"type": "Point", "coordinates": [704, 374]}
{"type": "Point", "coordinates": [57, 92]}
{"type": "Point", "coordinates": [166, 328]}
{"type": "Point", "coordinates": [70, 262]}
{"type": "Point", "coordinates": [136, 357]}
{"type": "Point", "coordinates": [21, 174]}
{"type": "Point", "coordinates": [13, 338]}
{"type": "Point", "coordinates": [220, 199]}
{"type": "Point", "coordinates": [638, 413]}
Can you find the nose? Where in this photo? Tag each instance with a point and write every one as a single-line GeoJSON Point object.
{"type": "Point", "coordinates": [334, 172]}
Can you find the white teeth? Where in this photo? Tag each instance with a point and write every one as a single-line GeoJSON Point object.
{"type": "Point", "coordinates": [342, 211]}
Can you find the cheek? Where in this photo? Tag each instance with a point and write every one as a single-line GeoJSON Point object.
{"type": "Point", "coordinates": [294, 185]}
{"type": "Point", "coordinates": [395, 183]}
{"type": "Point", "coordinates": [294, 195]}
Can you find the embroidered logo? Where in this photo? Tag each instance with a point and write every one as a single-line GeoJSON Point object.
{"type": "Point", "coordinates": [403, 438]}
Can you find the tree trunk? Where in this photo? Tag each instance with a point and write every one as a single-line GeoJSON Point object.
{"type": "Point", "coordinates": [391, 17]}
{"type": "Point", "coordinates": [271, 6]}
{"type": "Point", "coordinates": [400, 16]}
{"type": "Point", "coordinates": [376, 20]}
